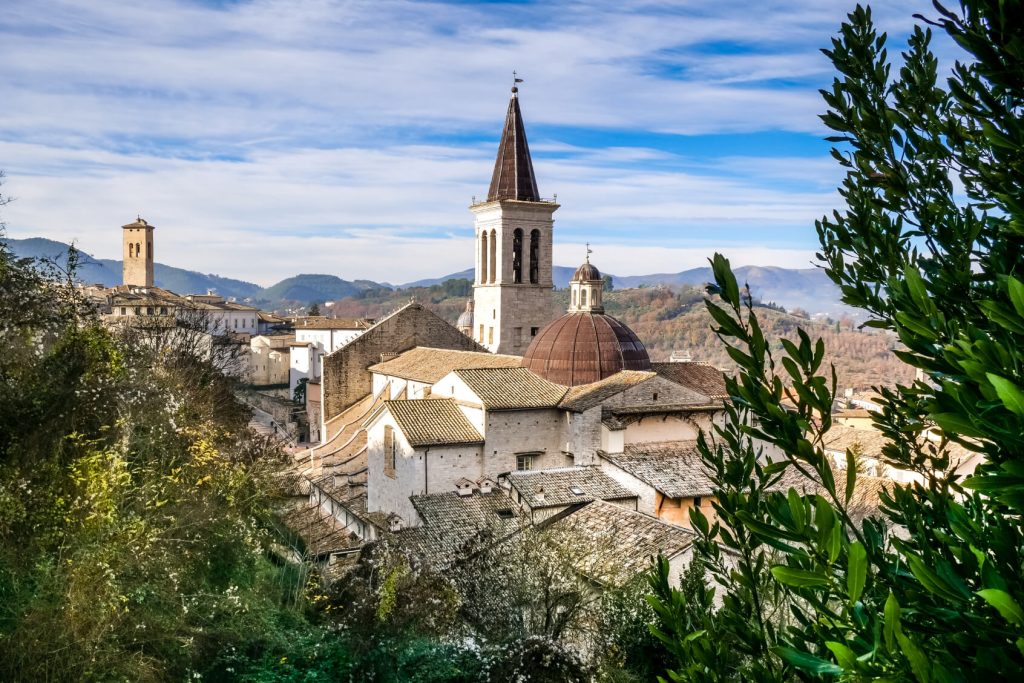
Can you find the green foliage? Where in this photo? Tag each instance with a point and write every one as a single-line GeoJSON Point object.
{"type": "Point", "coordinates": [939, 268]}
{"type": "Point", "coordinates": [133, 542]}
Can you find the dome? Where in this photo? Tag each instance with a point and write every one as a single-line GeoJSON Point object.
{"type": "Point", "coordinates": [466, 317]}
{"type": "Point", "coordinates": [584, 347]}
{"type": "Point", "coordinates": [586, 272]}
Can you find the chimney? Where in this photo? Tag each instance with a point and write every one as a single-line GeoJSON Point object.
{"type": "Point", "coordinates": [394, 523]}
{"type": "Point", "coordinates": [464, 487]}
{"type": "Point", "coordinates": [539, 495]}
{"type": "Point", "coordinates": [486, 485]}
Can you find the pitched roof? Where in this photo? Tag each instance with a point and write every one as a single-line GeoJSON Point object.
{"type": "Point", "coordinates": [318, 322]}
{"type": "Point", "coordinates": [622, 542]}
{"type": "Point", "coordinates": [450, 520]}
{"type": "Point", "coordinates": [425, 364]}
{"type": "Point", "coordinates": [840, 437]}
{"type": "Point", "coordinates": [558, 484]}
{"type": "Point", "coordinates": [510, 387]}
{"type": "Point", "coordinates": [673, 468]}
{"type": "Point", "coordinates": [513, 176]}
{"type": "Point", "coordinates": [700, 377]}
{"type": "Point", "coordinates": [432, 422]}
{"type": "Point", "coordinates": [587, 396]}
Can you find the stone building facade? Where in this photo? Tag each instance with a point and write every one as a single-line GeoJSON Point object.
{"type": "Point", "coordinates": [137, 240]}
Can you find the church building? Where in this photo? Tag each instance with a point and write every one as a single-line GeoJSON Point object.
{"type": "Point", "coordinates": [547, 413]}
{"type": "Point", "coordinates": [514, 229]}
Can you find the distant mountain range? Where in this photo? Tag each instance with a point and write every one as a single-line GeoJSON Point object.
{"type": "Point", "coordinates": [807, 288]}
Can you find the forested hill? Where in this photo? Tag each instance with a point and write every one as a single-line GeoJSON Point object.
{"type": "Point", "coordinates": [675, 320]}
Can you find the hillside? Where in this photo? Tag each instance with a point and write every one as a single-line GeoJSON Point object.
{"type": "Point", "coordinates": [806, 288]}
{"type": "Point", "coordinates": [674, 320]}
{"type": "Point", "coordinates": [107, 272]}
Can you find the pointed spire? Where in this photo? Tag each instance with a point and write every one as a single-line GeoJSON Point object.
{"type": "Point", "coordinates": [513, 176]}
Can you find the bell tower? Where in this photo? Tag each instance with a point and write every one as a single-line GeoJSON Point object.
{"type": "Point", "coordinates": [514, 227]}
{"type": "Point", "coordinates": [138, 253]}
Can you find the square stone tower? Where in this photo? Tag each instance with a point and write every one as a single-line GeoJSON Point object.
{"type": "Point", "coordinates": [514, 230]}
{"type": "Point", "coordinates": [138, 253]}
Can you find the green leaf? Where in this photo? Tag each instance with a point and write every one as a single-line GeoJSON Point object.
{"type": "Point", "coordinates": [1009, 393]}
{"type": "Point", "coordinates": [798, 577]}
{"type": "Point", "coordinates": [892, 622]}
{"type": "Point", "coordinates": [1006, 605]}
{"type": "Point", "coordinates": [806, 661]}
{"type": "Point", "coordinates": [856, 571]}
{"type": "Point", "coordinates": [1016, 288]}
{"type": "Point", "coordinates": [844, 655]}
{"type": "Point", "coordinates": [932, 581]}
{"type": "Point", "coordinates": [955, 423]}
{"type": "Point", "coordinates": [796, 509]}
{"type": "Point", "coordinates": [851, 475]}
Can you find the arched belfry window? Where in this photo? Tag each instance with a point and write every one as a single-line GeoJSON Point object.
{"type": "Point", "coordinates": [517, 256]}
{"type": "Point", "coordinates": [583, 297]}
{"type": "Point", "coordinates": [131, 250]}
{"type": "Point", "coordinates": [138, 248]}
{"type": "Point", "coordinates": [494, 255]}
{"type": "Point", "coordinates": [483, 257]}
{"type": "Point", "coordinates": [534, 256]}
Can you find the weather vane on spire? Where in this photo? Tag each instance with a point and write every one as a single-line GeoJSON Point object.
{"type": "Point", "coordinates": [589, 252]}
{"type": "Point", "coordinates": [515, 81]}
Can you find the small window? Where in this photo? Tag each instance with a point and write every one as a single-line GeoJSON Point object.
{"type": "Point", "coordinates": [655, 397]}
{"type": "Point", "coordinates": [490, 335]}
{"type": "Point", "coordinates": [481, 339]}
{"type": "Point", "coordinates": [576, 490]}
{"type": "Point", "coordinates": [124, 311]}
{"type": "Point", "coordinates": [138, 310]}
{"type": "Point", "coordinates": [534, 331]}
{"type": "Point", "coordinates": [505, 513]}
{"type": "Point", "coordinates": [524, 463]}
{"type": "Point", "coordinates": [390, 450]}
{"type": "Point", "coordinates": [697, 500]}
{"type": "Point", "coordinates": [149, 310]}
{"type": "Point", "coordinates": [163, 310]}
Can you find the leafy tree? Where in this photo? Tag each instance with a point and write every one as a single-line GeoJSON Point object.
{"type": "Point", "coordinates": [811, 590]}
{"type": "Point", "coordinates": [314, 309]}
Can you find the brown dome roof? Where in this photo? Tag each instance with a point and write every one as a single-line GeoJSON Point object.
{"type": "Point", "coordinates": [586, 272]}
{"type": "Point", "coordinates": [580, 348]}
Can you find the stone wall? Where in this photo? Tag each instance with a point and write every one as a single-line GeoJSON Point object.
{"type": "Point", "coordinates": [346, 378]}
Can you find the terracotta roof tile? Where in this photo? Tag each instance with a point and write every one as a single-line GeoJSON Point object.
{"type": "Point", "coordinates": [621, 542]}
{"type": "Point", "coordinates": [510, 388]}
{"type": "Point", "coordinates": [451, 520]}
{"type": "Point", "coordinates": [700, 377]}
{"type": "Point", "coordinates": [589, 483]}
{"type": "Point", "coordinates": [433, 421]}
{"type": "Point", "coordinates": [425, 364]}
{"type": "Point", "coordinates": [587, 396]}
{"type": "Point", "coordinates": [673, 468]}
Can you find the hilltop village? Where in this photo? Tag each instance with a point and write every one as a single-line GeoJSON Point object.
{"type": "Point", "coordinates": [412, 429]}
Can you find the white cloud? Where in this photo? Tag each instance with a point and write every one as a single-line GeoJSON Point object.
{"type": "Point", "coordinates": [272, 137]}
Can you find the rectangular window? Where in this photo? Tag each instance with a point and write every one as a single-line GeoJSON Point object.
{"type": "Point", "coordinates": [163, 310]}
{"type": "Point", "coordinates": [124, 311]}
{"type": "Point", "coordinates": [490, 335]}
{"type": "Point", "coordinates": [697, 501]}
{"type": "Point", "coordinates": [481, 339]}
{"type": "Point", "coordinates": [534, 331]}
{"type": "Point", "coordinates": [524, 463]}
{"type": "Point", "coordinates": [389, 450]}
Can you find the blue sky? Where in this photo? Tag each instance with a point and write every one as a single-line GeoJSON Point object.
{"type": "Point", "coordinates": [274, 137]}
